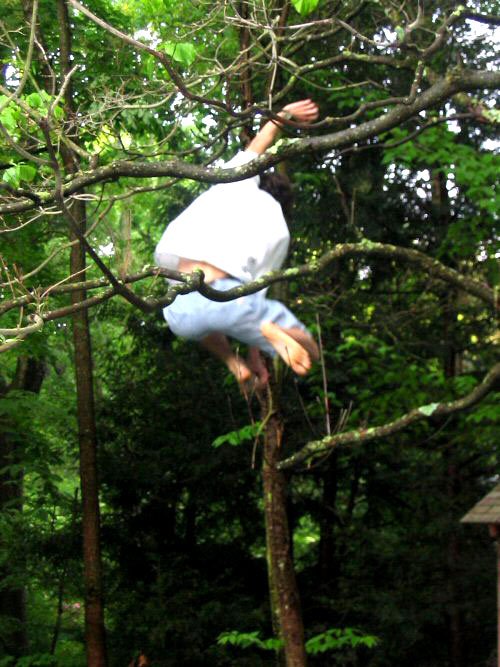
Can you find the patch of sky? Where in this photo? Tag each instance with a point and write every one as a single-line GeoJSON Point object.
{"type": "Point", "coordinates": [482, 255]}
{"type": "Point", "coordinates": [364, 272]}
{"type": "Point", "coordinates": [148, 35]}
{"type": "Point", "coordinates": [106, 250]}
{"type": "Point", "coordinates": [451, 185]}
{"type": "Point", "coordinates": [386, 35]}
{"type": "Point", "coordinates": [12, 76]}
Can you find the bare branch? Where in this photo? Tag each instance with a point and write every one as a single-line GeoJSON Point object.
{"type": "Point", "coordinates": [441, 90]}
{"type": "Point", "coordinates": [319, 448]}
{"type": "Point", "coordinates": [19, 333]}
{"type": "Point", "coordinates": [195, 281]}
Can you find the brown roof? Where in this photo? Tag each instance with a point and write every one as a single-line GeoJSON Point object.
{"type": "Point", "coordinates": [487, 510]}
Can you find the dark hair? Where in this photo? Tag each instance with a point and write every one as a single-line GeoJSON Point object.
{"type": "Point", "coordinates": [279, 187]}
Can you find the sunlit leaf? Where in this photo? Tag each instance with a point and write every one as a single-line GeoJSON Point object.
{"type": "Point", "coordinates": [11, 176]}
{"type": "Point", "coordinates": [26, 172]}
{"type": "Point", "coordinates": [305, 7]}
{"type": "Point", "coordinates": [182, 52]}
{"type": "Point", "coordinates": [34, 100]}
{"type": "Point", "coordinates": [235, 438]}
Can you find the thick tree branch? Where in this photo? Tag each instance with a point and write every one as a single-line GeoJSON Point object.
{"type": "Point", "coordinates": [365, 248]}
{"type": "Point", "coordinates": [441, 90]}
{"type": "Point", "coordinates": [195, 281]}
{"type": "Point", "coordinates": [491, 19]}
{"type": "Point", "coordinates": [19, 333]}
{"type": "Point", "coordinates": [319, 448]}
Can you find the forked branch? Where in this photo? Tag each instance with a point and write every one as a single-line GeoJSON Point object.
{"type": "Point", "coordinates": [319, 448]}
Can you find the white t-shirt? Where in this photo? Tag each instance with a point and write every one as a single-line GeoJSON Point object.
{"type": "Point", "coordinates": [236, 227]}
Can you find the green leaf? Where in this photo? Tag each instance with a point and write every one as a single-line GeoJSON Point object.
{"type": "Point", "coordinates": [34, 100]}
{"type": "Point", "coordinates": [305, 7]}
{"type": "Point", "coordinates": [58, 113]}
{"type": "Point", "coordinates": [338, 638]}
{"type": "Point", "coordinates": [400, 33]}
{"type": "Point", "coordinates": [182, 52]}
{"type": "Point", "coordinates": [11, 176]}
{"type": "Point", "coordinates": [26, 172]}
{"type": "Point", "coordinates": [9, 118]}
{"type": "Point", "coordinates": [235, 438]}
{"type": "Point", "coordinates": [429, 409]}
{"type": "Point", "coordinates": [248, 639]}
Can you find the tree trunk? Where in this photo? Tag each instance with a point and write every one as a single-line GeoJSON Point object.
{"type": "Point", "coordinates": [95, 639]}
{"type": "Point", "coordinates": [451, 367]}
{"type": "Point", "coordinates": [284, 594]}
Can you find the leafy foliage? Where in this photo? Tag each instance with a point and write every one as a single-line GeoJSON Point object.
{"type": "Point", "coordinates": [305, 7]}
{"type": "Point", "coordinates": [378, 544]}
{"type": "Point", "coordinates": [336, 638]}
{"type": "Point", "coordinates": [246, 639]}
{"type": "Point", "coordinates": [243, 434]}
{"type": "Point", "coordinates": [330, 640]}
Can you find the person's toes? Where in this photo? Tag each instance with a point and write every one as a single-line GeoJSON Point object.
{"type": "Point", "coordinates": [288, 348]}
{"type": "Point", "coordinates": [241, 372]}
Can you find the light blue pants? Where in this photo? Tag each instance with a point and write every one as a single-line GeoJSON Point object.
{"type": "Point", "coordinates": [193, 316]}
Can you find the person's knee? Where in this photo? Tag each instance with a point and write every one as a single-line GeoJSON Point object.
{"type": "Point", "coordinates": [185, 325]}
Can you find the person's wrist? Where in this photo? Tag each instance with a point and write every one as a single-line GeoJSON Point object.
{"type": "Point", "coordinates": [286, 115]}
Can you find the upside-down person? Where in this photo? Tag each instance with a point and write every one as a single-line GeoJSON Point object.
{"type": "Point", "coordinates": [235, 233]}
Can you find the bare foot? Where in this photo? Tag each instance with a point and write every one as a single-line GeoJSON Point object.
{"type": "Point", "coordinates": [292, 352]}
{"type": "Point", "coordinates": [239, 369]}
{"type": "Point", "coordinates": [258, 367]}
{"type": "Point", "coordinates": [305, 339]}
{"type": "Point", "coordinates": [219, 345]}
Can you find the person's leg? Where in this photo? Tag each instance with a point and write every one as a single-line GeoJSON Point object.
{"type": "Point", "coordinates": [271, 327]}
{"type": "Point", "coordinates": [194, 317]}
{"type": "Point", "coordinates": [259, 322]}
{"type": "Point", "coordinates": [258, 367]}
{"type": "Point", "coordinates": [219, 346]}
{"type": "Point", "coordinates": [287, 336]}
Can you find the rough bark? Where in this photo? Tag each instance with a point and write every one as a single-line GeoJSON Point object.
{"type": "Point", "coordinates": [284, 594]}
{"type": "Point", "coordinates": [94, 610]}
{"type": "Point", "coordinates": [194, 281]}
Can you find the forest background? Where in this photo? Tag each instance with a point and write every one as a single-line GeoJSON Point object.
{"type": "Point", "coordinates": [112, 119]}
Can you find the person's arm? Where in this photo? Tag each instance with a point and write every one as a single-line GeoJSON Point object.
{"type": "Point", "coordinates": [303, 111]}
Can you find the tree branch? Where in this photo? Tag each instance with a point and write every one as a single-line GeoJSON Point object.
{"type": "Point", "coordinates": [318, 448]}
{"type": "Point", "coordinates": [441, 90]}
{"type": "Point", "coordinates": [190, 282]}
{"type": "Point", "coordinates": [19, 333]}
{"type": "Point", "coordinates": [491, 19]}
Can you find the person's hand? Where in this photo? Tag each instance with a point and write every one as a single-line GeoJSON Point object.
{"type": "Point", "coordinates": [303, 111]}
